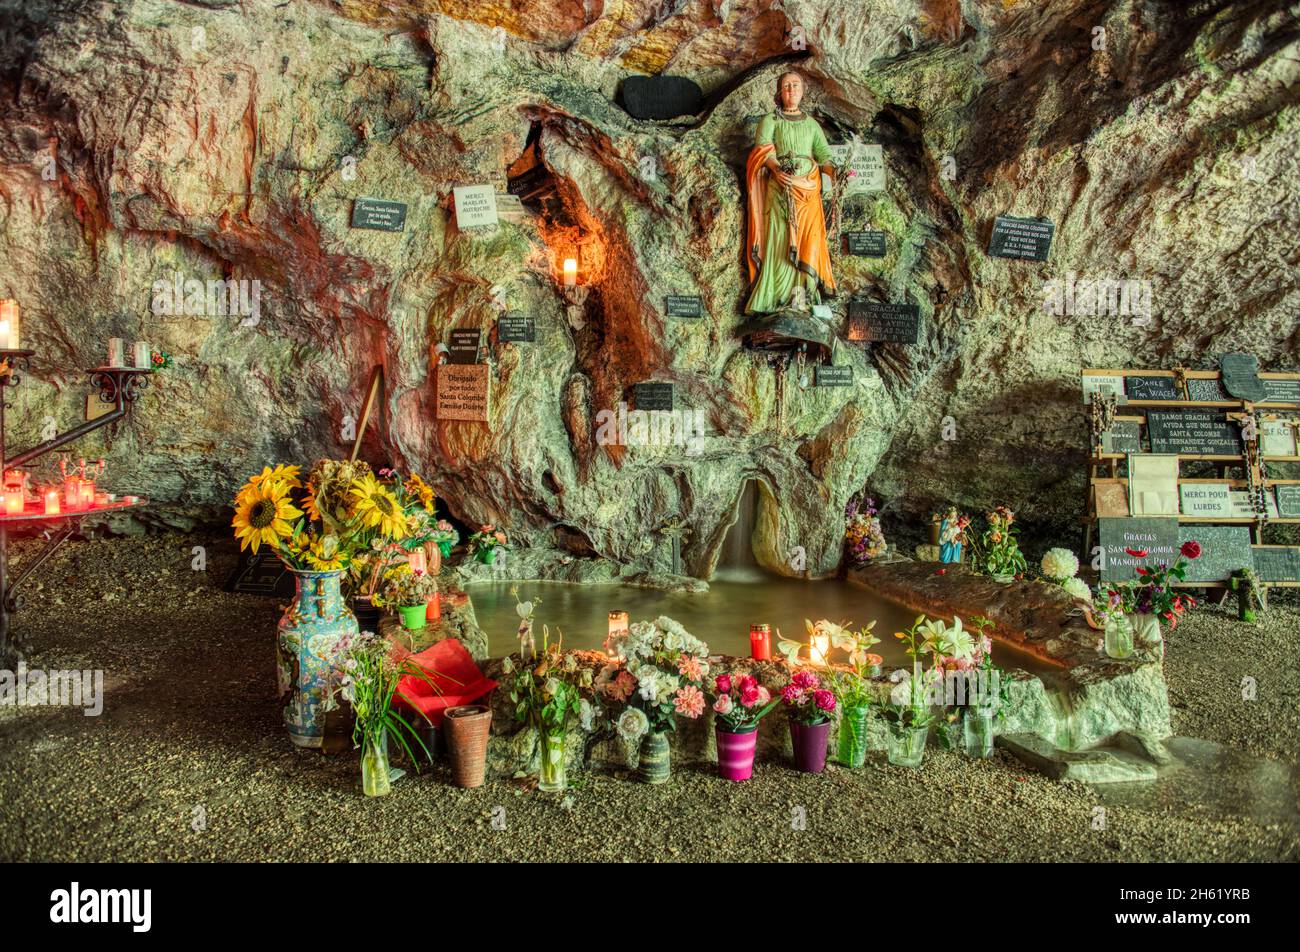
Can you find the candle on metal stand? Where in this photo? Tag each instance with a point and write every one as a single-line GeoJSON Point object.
{"type": "Point", "coordinates": [72, 493]}
{"type": "Point", "coordinates": [14, 500]}
{"type": "Point", "coordinates": [52, 502]}
{"type": "Point", "coordinates": [116, 352]}
{"type": "Point", "coordinates": [87, 494]}
{"type": "Point", "coordinates": [10, 336]}
{"type": "Point", "coordinates": [143, 356]}
{"type": "Point", "coordinates": [760, 642]}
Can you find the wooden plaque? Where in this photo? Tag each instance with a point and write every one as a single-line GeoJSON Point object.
{"type": "Point", "coordinates": [462, 392]}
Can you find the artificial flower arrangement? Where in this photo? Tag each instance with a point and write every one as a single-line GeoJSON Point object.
{"type": "Point", "coordinates": [806, 700]}
{"type": "Point", "coordinates": [483, 544]}
{"type": "Point", "coordinates": [863, 535]}
{"type": "Point", "coordinates": [547, 697]}
{"type": "Point", "coordinates": [740, 702]}
{"type": "Point", "coordinates": [659, 676]}
{"type": "Point", "coordinates": [402, 587]}
{"type": "Point", "coordinates": [160, 360]}
{"type": "Point", "coordinates": [365, 675]}
{"type": "Point", "coordinates": [999, 552]}
{"type": "Point", "coordinates": [445, 537]}
{"type": "Point", "coordinates": [413, 504]}
{"type": "Point", "coordinates": [1132, 612]}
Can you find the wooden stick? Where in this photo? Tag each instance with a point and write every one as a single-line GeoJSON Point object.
{"type": "Point", "coordinates": [376, 378]}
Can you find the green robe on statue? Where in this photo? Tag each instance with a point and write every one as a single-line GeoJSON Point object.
{"type": "Point", "coordinates": [782, 254]}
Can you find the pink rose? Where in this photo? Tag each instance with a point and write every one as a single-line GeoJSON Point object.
{"type": "Point", "coordinates": [805, 680]}
{"type": "Point", "coordinates": [825, 700]}
{"type": "Point", "coordinates": [749, 696]}
{"type": "Point", "coordinates": [723, 704]}
{"type": "Point", "coordinates": [748, 681]}
{"type": "Point", "coordinates": [793, 694]}
{"type": "Point", "coordinates": [723, 684]}
{"type": "Point", "coordinates": [764, 695]}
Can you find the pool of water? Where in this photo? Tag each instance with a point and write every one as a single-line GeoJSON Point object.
{"type": "Point", "coordinates": [720, 617]}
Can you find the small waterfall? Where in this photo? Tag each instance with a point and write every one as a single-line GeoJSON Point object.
{"type": "Point", "coordinates": [736, 559]}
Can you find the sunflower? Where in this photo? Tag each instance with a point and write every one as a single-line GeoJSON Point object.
{"type": "Point", "coordinates": [264, 513]}
{"type": "Point", "coordinates": [418, 487]}
{"type": "Point", "coordinates": [282, 473]}
{"type": "Point", "coordinates": [325, 556]}
{"type": "Point", "coordinates": [376, 507]}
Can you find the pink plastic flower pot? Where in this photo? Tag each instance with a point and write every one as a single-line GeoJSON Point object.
{"type": "Point", "coordinates": [809, 742]}
{"type": "Point", "coordinates": [736, 753]}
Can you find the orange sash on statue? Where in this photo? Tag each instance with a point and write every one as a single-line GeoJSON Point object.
{"type": "Point", "coordinates": [807, 230]}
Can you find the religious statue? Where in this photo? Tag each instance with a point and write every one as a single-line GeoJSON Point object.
{"type": "Point", "coordinates": [789, 263]}
{"type": "Point", "coordinates": [952, 534]}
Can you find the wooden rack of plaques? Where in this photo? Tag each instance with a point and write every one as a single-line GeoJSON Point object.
{"type": "Point", "coordinates": [1137, 392]}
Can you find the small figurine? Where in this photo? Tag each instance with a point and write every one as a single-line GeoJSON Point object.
{"type": "Point", "coordinates": [952, 535]}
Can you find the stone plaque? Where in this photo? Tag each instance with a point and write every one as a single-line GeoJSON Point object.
{"type": "Point", "coordinates": [1205, 390]}
{"type": "Point", "coordinates": [827, 375]}
{"type": "Point", "coordinates": [1282, 390]}
{"type": "Point", "coordinates": [1288, 501]}
{"type": "Point", "coordinates": [476, 205]}
{"type": "Point", "coordinates": [1193, 432]}
{"type": "Point", "coordinates": [1124, 436]}
{"type": "Point", "coordinates": [1224, 549]}
{"type": "Point", "coordinates": [1277, 563]}
{"type": "Point", "coordinates": [1240, 374]}
{"type": "Point", "coordinates": [661, 97]}
{"type": "Point", "coordinates": [462, 392]}
{"type": "Point", "coordinates": [515, 326]}
{"type": "Point", "coordinates": [378, 214]}
{"type": "Point", "coordinates": [1025, 239]}
{"type": "Point", "coordinates": [652, 396]}
{"type": "Point", "coordinates": [1277, 438]}
{"type": "Point", "coordinates": [1150, 387]}
{"type": "Point", "coordinates": [865, 170]}
{"type": "Point", "coordinates": [1159, 537]}
{"type": "Point", "coordinates": [683, 305]}
{"type": "Point", "coordinates": [510, 208]}
{"type": "Point", "coordinates": [865, 244]}
{"type": "Point", "coordinates": [1220, 501]}
{"type": "Point", "coordinates": [463, 347]}
{"type": "Point", "coordinates": [1104, 384]}
{"type": "Point", "coordinates": [882, 322]}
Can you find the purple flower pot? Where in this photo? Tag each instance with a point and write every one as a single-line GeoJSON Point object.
{"type": "Point", "coordinates": [736, 753]}
{"type": "Point", "coordinates": [809, 745]}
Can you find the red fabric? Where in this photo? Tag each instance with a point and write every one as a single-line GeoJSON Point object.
{"type": "Point", "coordinates": [456, 680]}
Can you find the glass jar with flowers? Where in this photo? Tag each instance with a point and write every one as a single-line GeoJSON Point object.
{"type": "Point", "coordinates": [1132, 611]}
{"type": "Point", "coordinates": [974, 688]}
{"type": "Point", "coordinates": [659, 670]}
{"type": "Point", "coordinates": [998, 553]}
{"type": "Point", "coordinates": [547, 698]}
{"type": "Point", "coordinates": [852, 688]}
{"type": "Point", "coordinates": [739, 703]}
{"type": "Point", "coordinates": [366, 676]}
{"type": "Point", "coordinates": [864, 539]}
{"type": "Point", "coordinates": [483, 545]}
{"type": "Point", "coordinates": [907, 713]}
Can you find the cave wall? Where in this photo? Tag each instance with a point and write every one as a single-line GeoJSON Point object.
{"type": "Point", "coordinates": [225, 140]}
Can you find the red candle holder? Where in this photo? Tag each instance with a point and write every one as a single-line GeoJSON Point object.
{"type": "Point", "coordinates": [433, 609]}
{"type": "Point", "coordinates": [760, 642]}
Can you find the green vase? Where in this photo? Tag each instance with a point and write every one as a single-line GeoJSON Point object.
{"type": "Point", "coordinates": [413, 617]}
{"type": "Point", "coordinates": [487, 555]}
{"type": "Point", "coordinates": [655, 765]}
{"type": "Point", "coordinates": [852, 747]}
{"type": "Point", "coordinates": [551, 777]}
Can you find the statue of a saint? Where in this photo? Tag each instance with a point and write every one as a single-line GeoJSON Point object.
{"type": "Point", "coordinates": [789, 262]}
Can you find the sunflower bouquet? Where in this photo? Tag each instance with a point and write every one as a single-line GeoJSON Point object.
{"type": "Point", "coordinates": [338, 515]}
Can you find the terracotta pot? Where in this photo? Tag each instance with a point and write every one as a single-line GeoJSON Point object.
{"type": "Point", "coordinates": [433, 555]}
{"type": "Point", "coordinates": [467, 729]}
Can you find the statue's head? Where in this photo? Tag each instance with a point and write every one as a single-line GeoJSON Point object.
{"type": "Point", "coordinates": [789, 90]}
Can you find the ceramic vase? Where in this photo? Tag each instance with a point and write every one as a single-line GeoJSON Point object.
{"type": "Point", "coordinates": [309, 634]}
{"type": "Point", "coordinates": [468, 728]}
{"type": "Point", "coordinates": [736, 752]}
{"type": "Point", "coordinates": [655, 764]}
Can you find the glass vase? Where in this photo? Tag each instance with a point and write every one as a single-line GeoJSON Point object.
{"type": "Point", "coordinates": [978, 730]}
{"type": "Point", "coordinates": [375, 779]}
{"type": "Point", "coordinates": [906, 745]}
{"type": "Point", "coordinates": [551, 777]}
{"type": "Point", "coordinates": [1119, 636]}
{"type": "Point", "coordinates": [852, 747]}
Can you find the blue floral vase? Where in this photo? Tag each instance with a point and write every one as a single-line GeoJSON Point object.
{"type": "Point", "coordinates": [310, 630]}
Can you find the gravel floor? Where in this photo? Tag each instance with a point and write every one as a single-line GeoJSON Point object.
{"type": "Point", "coordinates": [189, 762]}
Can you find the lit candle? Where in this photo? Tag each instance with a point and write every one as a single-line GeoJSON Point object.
{"type": "Point", "coordinates": [14, 500]}
{"type": "Point", "coordinates": [433, 610]}
{"type": "Point", "coordinates": [71, 493]}
{"type": "Point", "coordinates": [52, 502]}
{"type": "Point", "coordinates": [570, 272]}
{"type": "Point", "coordinates": [818, 648]}
{"type": "Point", "coordinates": [9, 322]}
{"type": "Point", "coordinates": [618, 626]}
{"type": "Point", "coordinates": [116, 352]}
{"type": "Point", "coordinates": [87, 494]}
{"type": "Point", "coordinates": [143, 355]}
{"type": "Point", "coordinates": [760, 642]}
{"type": "Point", "coordinates": [101, 499]}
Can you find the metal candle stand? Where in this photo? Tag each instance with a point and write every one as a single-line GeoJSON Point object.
{"type": "Point", "coordinates": [120, 386]}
